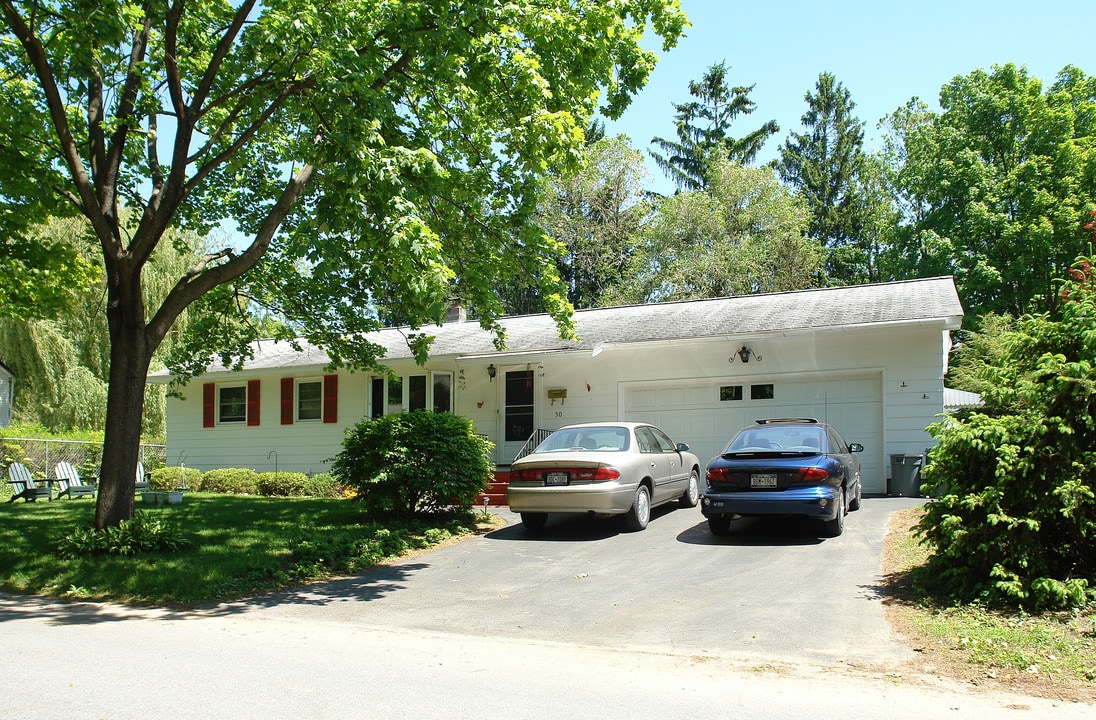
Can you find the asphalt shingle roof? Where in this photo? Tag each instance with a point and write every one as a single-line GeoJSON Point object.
{"type": "Point", "coordinates": [909, 301]}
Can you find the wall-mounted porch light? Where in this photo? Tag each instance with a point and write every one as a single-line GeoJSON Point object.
{"type": "Point", "coordinates": [744, 354]}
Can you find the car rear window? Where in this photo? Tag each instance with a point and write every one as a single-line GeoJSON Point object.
{"type": "Point", "coordinates": [782, 438]}
{"type": "Point", "coordinates": [608, 438]}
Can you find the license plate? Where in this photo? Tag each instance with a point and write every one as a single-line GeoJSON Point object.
{"type": "Point", "coordinates": [555, 478]}
{"type": "Point", "coordinates": [763, 481]}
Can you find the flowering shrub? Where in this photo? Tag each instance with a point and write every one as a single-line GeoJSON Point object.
{"type": "Point", "coordinates": [1014, 522]}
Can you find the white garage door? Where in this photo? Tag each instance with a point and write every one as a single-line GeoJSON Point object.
{"type": "Point", "coordinates": [706, 413]}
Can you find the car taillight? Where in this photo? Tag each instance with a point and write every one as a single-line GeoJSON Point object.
{"type": "Point", "coordinates": [813, 475]}
{"type": "Point", "coordinates": [719, 474]}
{"type": "Point", "coordinates": [601, 474]}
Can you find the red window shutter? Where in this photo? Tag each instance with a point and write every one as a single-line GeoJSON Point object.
{"type": "Point", "coordinates": [287, 401]}
{"type": "Point", "coordinates": [252, 402]}
{"type": "Point", "coordinates": [208, 394]}
{"type": "Point", "coordinates": [330, 398]}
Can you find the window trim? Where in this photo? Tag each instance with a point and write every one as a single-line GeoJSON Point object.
{"type": "Point", "coordinates": [307, 380]}
{"type": "Point", "coordinates": [220, 419]}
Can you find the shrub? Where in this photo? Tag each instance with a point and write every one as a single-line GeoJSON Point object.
{"type": "Point", "coordinates": [1015, 519]}
{"type": "Point", "coordinates": [282, 484]}
{"type": "Point", "coordinates": [414, 462]}
{"type": "Point", "coordinates": [172, 478]}
{"type": "Point", "coordinates": [323, 485]}
{"type": "Point", "coordinates": [141, 533]}
{"type": "Point", "coordinates": [237, 481]}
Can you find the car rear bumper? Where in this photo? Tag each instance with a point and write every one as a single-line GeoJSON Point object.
{"type": "Point", "coordinates": [603, 498]}
{"type": "Point", "coordinates": [817, 502]}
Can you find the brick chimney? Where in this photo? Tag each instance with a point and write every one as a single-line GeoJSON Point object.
{"type": "Point", "coordinates": [456, 312]}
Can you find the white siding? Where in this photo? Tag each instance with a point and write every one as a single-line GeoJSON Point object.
{"type": "Point", "coordinates": [889, 381]}
{"type": "Point", "coordinates": [300, 447]}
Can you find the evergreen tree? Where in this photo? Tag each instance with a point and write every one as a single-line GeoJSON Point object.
{"type": "Point", "coordinates": [824, 163]}
{"type": "Point", "coordinates": [703, 131]}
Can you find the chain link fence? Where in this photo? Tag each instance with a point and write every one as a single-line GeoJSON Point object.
{"type": "Point", "coordinates": [40, 455]}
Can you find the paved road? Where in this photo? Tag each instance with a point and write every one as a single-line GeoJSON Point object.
{"type": "Point", "coordinates": [582, 621]}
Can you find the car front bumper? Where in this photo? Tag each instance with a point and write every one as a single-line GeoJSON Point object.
{"type": "Point", "coordinates": [817, 502]}
{"type": "Point", "coordinates": [608, 498]}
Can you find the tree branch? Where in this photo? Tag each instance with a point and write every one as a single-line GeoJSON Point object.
{"type": "Point", "coordinates": [32, 45]}
{"type": "Point", "coordinates": [193, 285]}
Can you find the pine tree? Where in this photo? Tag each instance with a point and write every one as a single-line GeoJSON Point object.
{"type": "Point", "coordinates": [824, 164]}
{"type": "Point", "coordinates": [703, 131]}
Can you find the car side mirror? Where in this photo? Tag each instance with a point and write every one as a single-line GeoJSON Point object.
{"type": "Point", "coordinates": [856, 447]}
{"type": "Point", "coordinates": [683, 447]}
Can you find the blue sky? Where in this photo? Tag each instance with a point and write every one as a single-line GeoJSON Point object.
{"type": "Point", "coordinates": [884, 53]}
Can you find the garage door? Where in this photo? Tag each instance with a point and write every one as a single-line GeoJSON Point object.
{"type": "Point", "coordinates": [706, 413]}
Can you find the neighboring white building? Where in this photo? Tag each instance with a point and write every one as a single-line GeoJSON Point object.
{"type": "Point", "coordinates": [7, 393]}
{"type": "Point", "coordinates": [869, 359]}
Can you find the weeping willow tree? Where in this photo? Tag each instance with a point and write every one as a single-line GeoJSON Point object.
{"type": "Point", "coordinates": [62, 363]}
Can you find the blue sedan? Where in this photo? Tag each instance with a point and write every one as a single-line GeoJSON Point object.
{"type": "Point", "coordinates": [785, 466]}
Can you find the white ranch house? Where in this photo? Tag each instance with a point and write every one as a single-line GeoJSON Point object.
{"type": "Point", "coordinates": [869, 359]}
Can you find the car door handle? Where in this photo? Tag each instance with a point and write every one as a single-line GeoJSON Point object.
{"type": "Point", "coordinates": [652, 464]}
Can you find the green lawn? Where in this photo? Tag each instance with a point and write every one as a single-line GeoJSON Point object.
{"type": "Point", "coordinates": [237, 546]}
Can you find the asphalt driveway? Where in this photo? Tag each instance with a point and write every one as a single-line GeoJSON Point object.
{"type": "Point", "coordinates": [773, 588]}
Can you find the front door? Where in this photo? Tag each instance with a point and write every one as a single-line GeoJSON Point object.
{"type": "Point", "coordinates": [518, 413]}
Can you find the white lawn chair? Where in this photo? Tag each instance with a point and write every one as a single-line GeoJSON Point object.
{"type": "Point", "coordinates": [141, 483]}
{"type": "Point", "coordinates": [23, 485]}
{"type": "Point", "coordinates": [69, 482]}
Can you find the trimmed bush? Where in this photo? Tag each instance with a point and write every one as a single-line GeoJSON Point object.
{"type": "Point", "coordinates": [237, 481]}
{"type": "Point", "coordinates": [282, 484]}
{"type": "Point", "coordinates": [172, 478]}
{"type": "Point", "coordinates": [414, 462]}
{"type": "Point", "coordinates": [322, 485]}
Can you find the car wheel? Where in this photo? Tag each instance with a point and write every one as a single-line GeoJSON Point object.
{"type": "Point", "coordinates": [640, 514]}
{"type": "Point", "coordinates": [855, 504]}
{"type": "Point", "coordinates": [691, 495]}
{"type": "Point", "coordinates": [836, 526]}
{"type": "Point", "coordinates": [719, 524]}
{"type": "Point", "coordinates": [533, 521]}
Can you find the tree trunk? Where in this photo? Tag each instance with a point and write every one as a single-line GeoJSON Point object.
{"type": "Point", "coordinates": [129, 361]}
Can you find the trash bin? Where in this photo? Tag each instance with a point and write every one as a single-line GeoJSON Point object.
{"type": "Point", "coordinates": [905, 475]}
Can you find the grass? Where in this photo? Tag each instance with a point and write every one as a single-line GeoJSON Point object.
{"type": "Point", "coordinates": [237, 546]}
{"type": "Point", "coordinates": [1051, 655]}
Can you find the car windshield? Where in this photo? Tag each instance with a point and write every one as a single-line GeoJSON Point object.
{"type": "Point", "coordinates": [607, 438]}
{"type": "Point", "coordinates": [777, 438]}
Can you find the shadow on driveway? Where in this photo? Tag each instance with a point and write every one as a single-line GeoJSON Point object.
{"type": "Point", "coordinates": [757, 532]}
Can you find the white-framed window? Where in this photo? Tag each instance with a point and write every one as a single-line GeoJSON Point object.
{"type": "Point", "coordinates": [232, 404]}
{"type": "Point", "coordinates": [400, 393]}
{"type": "Point", "coordinates": [442, 391]}
{"type": "Point", "coordinates": [309, 401]}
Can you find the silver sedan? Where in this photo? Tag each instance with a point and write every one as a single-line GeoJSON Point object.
{"type": "Point", "coordinates": [618, 468]}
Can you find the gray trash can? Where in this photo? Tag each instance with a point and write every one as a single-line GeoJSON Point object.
{"type": "Point", "coordinates": [905, 475]}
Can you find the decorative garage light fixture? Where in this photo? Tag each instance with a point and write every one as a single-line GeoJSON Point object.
{"type": "Point", "coordinates": [492, 371]}
{"type": "Point", "coordinates": [744, 354]}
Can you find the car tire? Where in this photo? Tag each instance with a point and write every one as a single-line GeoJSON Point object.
{"type": "Point", "coordinates": [855, 504]}
{"type": "Point", "coordinates": [533, 521]}
{"type": "Point", "coordinates": [691, 496]}
{"type": "Point", "coordinates": [639, 515]}
{"type": "Point", "coordinates": [835, 527]}
{"type": "Point", "coordinates": [719, 524]}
